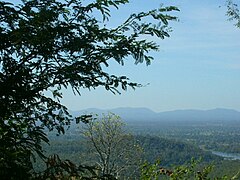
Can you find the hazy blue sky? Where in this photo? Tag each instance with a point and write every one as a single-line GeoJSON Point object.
{"type": "Point", "coordinates": [198, 67]}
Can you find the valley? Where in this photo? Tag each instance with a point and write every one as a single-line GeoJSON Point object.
{"type": "Point", "coordinates": [172, 141]}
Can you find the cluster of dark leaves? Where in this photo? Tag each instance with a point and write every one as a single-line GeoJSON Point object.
{"type": "Point", "coordinates": [233, 12]}
{"type": "Point", "coordinates": [65, 169]}
{"type": "Point", "coordinates": [191, 170]}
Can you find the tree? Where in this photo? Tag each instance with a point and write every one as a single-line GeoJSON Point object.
{"type": "Point", "coordinates": [116, 150]}
{"type": "Point", "coordinates": [233, 12]}
{"type": "Point", "coordinates": [48, 45]}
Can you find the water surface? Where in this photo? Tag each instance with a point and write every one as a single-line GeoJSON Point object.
{"type": "Point", "coordinates": [229, 156]}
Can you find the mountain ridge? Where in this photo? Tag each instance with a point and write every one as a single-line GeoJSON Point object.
{"type": "Point", "coordinates": [143, 113]}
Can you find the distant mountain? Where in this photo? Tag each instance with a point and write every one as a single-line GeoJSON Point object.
{"type": "Point", "coordinates": [141, 114]}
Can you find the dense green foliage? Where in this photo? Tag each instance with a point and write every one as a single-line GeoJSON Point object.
{"type": "Point", "coordinates": [189, 171]}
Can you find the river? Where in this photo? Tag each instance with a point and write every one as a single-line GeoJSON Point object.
{"type": "Point", "coordinates": [229, 156]}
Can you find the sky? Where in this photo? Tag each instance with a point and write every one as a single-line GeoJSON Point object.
{"type": "Point", "coordinates": [198, 67]}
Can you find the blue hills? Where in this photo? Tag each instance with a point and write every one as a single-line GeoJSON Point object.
{"type": "Point", "coordinates": [143, 114]}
